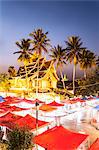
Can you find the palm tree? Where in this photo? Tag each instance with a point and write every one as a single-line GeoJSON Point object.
{"type": "Point", "coordinates": [87, 61]}
{"type": "Point", "coordinates": [40, 43]}
{"type": "Point", "coordinates": [73, 50]}
{"type": "Point", "coordinates": [24, 52]}
{"type": "Point", "coordinates": [58, 57]}
{"type": "Point", "coordinates": [11, 71]}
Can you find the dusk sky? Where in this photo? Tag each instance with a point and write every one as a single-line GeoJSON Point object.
{"type": "Point", "coordinates": [60, 18]}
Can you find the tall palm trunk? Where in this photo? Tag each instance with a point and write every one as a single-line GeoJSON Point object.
{"type": "Point", "coordinates": [37, 88]}
{"type": "Point", "coordinates": [26, 75]}
{"type": "Point", "coordinates": [62, 77]}
{"type": "Point", "coordinates": [85, 74]}
{"type": "Point", "coordinates": [74, 72]}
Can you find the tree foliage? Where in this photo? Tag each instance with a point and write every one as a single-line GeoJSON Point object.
{"type": "Point", "coordinates": [11, 71]}
{"type": "Point", "coordinates": [87, 61]}
{"type": "Point", "coordinates": [20, 139]}
{"type": "Point", "coordinates": [40, 41]}
{"type": "Point", "coordinates": [25, 54]}
{"type": "Point", "coordinates": [58, 56]}
{"type": "Point", "coordinates": [4, 82]}
{"type": "Point", "coordinates": [90, 85]}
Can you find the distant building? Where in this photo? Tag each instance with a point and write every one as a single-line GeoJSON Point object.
{"type": "Point", "coordinates": [30, 78]}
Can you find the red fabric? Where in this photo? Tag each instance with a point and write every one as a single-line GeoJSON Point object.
{"type": "Point", "coordinates": [10, 117]}
{"type": "Point", "coordinates": [14, 108]}
{"type": "Point", "coordinates": [7, 98]}
{"type": "Point", "coordinates": [5, 108]}
{"type": "Point", "coordinates": [38, 101]}
{"type": "Point", "coordinates": [27, 101]}
{"type": "Point", "coordinates": [29, 122]}
{"type": "Point", "coordinates": [70, 102]}
{"type": "Point", "coordinates": [59, 138]}
{"type": "Point", "coordinates": [79, 100]}
{"type": "Point", "coordinates": [8, 120]}
{"type": "Point", "coordinates": [95, 145]}
{"type": "Point", "coordinates": [4, 104]}
{"type": "Point", "coordinates": [90, 98]}
{"type": "Point", "coordinates": [55, 104]}
{"type": "Point", "coordinates": [11, 100]}
{"type": "Point", "coordinates": [11, 108]}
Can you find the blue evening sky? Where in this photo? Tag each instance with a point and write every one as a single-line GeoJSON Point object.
{"type": "Point", "coordinates": [60, 18]}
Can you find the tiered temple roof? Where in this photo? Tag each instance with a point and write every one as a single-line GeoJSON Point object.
{"type": "Point", "coordinates": [32, 69]}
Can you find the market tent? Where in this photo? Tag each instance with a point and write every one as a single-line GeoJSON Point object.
{"type": "Point", "coordinates": [95, 145]}
{"type": "Point", "coordinates": [97, 107]}
{"type": "Point", "coordinates": [29, 122]}
{"type": "Point", "coordinates": [14, 108]}
{"type": "Point", "coordinates": [31, 101]}
{"type": "Point", "coordinates": [11, 100]}
{"type": "Point", "coordinates": [11, 108]}
{"type": "Point", "coordinates": [80, 100]}
{"type": "Point", "coordinates": [7, 98]}
{"type": "Point", "coordinates": [59, 138]}
{"type": "Point", "coordinates": [8, 120]}
{"type": "Point", "coordinates": [54, 103]}
{"type": "Point", "coordinates": [47, 108]}
{"type": "Point", "coordinates": [91, 98]}
{"type": "Point", "coordinates": [9, 117]}
{"type": "Point", "coordinates": [5, 108]}
{"type": "Point", "coordinates": [71, 102]}
{"type": "Point", "coordinates": [27, 101]}
{"type": "Point", "coordinates": [38, 101]}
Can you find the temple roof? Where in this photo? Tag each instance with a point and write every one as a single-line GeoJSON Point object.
{"type": "Point", "coordinates": [32, 69]}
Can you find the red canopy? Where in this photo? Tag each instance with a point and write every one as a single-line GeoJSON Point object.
{"type": "Point", "coordinates": [38, 101]}
{"type": "Point", "coordinates": [10, 100]}
{"type": "Point", "coordinates": [14, 108]}
{"type": "Point", "coordinates": [31, 101]}
{"type": "Point", "coordinates": [59, 138]}
{"type": "Point", "coordinates": [71, 102]}
{"type": "Point", "coordinates": [79, 100]}
{"type": "Point", "coordinates": [90, 98]}
{"type": "Point", "coordinates": [9, 119]}
{"type": "Point", "coordinates": [29, 122]}
{"type": "Point", "coordinates": [55, 104]}
{"type": "Point", "coordinates": [27, 101]}
{"type": "Point", "coordinates": [95, 145]}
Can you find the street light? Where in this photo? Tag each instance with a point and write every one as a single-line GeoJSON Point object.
{"type": "Point", "coordinates": [36, 104]}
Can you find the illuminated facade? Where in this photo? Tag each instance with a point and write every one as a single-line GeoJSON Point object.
{"type": "Point", "coordinates": [40, 73]}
